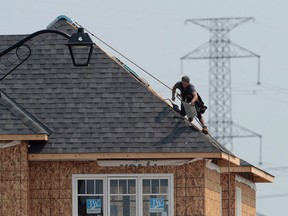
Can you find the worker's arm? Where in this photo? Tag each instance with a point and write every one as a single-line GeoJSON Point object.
{"type": "Point", "coordinates": [173, 93]}
{"type": "Point", "coordinates": [194, 98]}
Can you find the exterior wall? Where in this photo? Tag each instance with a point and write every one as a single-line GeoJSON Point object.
{"type": "Point", "coordinates": [189, 189]}
{"type": "Point", "coordinates": [212, 193]}
{"type": "Point", "coordinates": [248, 199]}
{"type": "Point", "coordinates": [248, 196]}
{"type": "Point", "coordinates": [14, 180]}
{"type": "Point", "coordinates": [45, 188]}
{"type": "Point", "coordinates": [226, 192]}
{"type": "Point", "coordinates": [51, 186]}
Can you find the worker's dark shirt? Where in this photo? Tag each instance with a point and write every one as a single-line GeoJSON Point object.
{"type": "Point", "coordinates": [186, 93]}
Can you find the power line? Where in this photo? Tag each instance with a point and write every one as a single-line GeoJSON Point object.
{"type": "Point", "coordinates": [277, 168]}
{"type": "Point", "coordinates": [272, 196]}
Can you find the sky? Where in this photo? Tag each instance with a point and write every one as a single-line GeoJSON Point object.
{"type": "Point", "coordinates": [153, 35]}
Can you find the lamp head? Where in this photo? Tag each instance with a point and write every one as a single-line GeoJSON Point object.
{"type": "Point", "coordinates": [80, 48]}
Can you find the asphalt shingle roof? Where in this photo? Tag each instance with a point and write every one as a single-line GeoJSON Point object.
{"type": "Point", "coordinates": [21, 115]}
{"type": "Point", "coordinates": [100, 108]}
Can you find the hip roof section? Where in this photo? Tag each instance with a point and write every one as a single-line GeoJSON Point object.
{"type": "Point", "coordinates": [102, 108]}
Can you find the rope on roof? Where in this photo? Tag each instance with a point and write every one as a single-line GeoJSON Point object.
{"type": "Point", "coordinates": [138, 66]}
{"type": "Point", "coordinates": [124, 56]}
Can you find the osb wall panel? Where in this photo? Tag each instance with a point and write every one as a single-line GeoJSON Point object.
{"type": "Point", "coordinates": [212, 193]}
{"type": "Point", "coordinates": [248, 199]}
{"type": "Point", "coordinates": [228, 194]}
{"type": "Point", "coordinates": [51, 185]}
{"type": "Point", "coordinates": [189, 189]}
{"type": "Point", "coordinates": [14, 180]}
{"type": "Point", "coordinates": [212, 203]}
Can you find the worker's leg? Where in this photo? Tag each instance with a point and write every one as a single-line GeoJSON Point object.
{"type": "Point", "coordinates": [202, 121]}
{"type": "Point", "coordinates": [182, 112]}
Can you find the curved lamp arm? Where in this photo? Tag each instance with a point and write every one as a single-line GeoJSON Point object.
{"type": "Point", "coordinates": [21, 42]}
{"type": "Point", "coordinates": [77, 41]}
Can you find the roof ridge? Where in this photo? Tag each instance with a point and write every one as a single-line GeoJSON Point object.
{"type": "Point", "coordinates": [24, 116]}
{"type": "Point", "coordinates": [62, 17]}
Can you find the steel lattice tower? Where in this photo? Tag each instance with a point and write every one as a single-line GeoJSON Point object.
{"type": "Point", "coordinates": [219, 50]}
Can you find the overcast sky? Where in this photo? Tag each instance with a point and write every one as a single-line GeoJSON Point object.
{"type": "Point", "coordinates": [152, 34]}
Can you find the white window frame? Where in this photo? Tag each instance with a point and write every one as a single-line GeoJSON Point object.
{"type": "Point", "coordinates": [75, 179]}
{"type": "Point", "coordinates": [106, 197]}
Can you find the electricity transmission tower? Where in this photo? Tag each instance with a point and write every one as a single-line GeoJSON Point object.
{"type": "Point", "coordinates": [219, 50]}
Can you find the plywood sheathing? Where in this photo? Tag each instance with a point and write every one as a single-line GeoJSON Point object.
{"type": "Point", "coordinates": [189, 194]}
{"type": "Point", "coordinates": [248, 199]}
{"type": "Point", "coordinates": [248, 196]}
{"type": "Point", "coordinates": [14, 180]}
{"type": "Point", "coordinates": [196, 187]}
{"type": "Point", "coordinates": [212, 192]}
{"type": "Point", "coordinates": [228, 194]}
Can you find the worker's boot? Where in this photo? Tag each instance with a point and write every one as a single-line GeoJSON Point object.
{"type": "Point", "coordinates": [205, 130]}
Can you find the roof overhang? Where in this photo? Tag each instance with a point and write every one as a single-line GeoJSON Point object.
{"type": "Point", "coordinates": [258, 175]}
{"type": "Point", "coordinates": [224, 158]}
{"type": "Point", "coordinates": [24, 137]}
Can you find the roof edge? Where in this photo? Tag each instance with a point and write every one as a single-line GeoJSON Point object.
{"type": "Point", "coordinates": [259, 175]}
{"type": "Point", "coordinates": [24, 137]}
{"type": "Point", "coordinates": [128, 156]}
{"type": "Point", "coordinates": [23, 115]}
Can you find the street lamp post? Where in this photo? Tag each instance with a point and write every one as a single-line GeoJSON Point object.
{"type": "Point", "coordinates": [79, 44]}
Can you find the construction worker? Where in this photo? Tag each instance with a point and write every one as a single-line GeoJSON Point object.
{"type": "Point", "coordinates": [189, 95]}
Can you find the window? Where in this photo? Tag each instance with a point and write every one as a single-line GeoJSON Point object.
{"type": "Point", "coordinates": [238, 201]}
{"type": "Point", "coordinates": [123, 195]}
{"type": "Point", "coordinates": [155, 197]}
{"type": "Point", "coordinates": [90, 197]}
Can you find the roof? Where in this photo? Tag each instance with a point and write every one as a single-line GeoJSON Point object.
{"type": "Point", "coordinates": [100, 108]}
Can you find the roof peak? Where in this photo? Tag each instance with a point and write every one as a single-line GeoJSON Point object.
{"type": "Point", "coordinates": [63, 17]}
